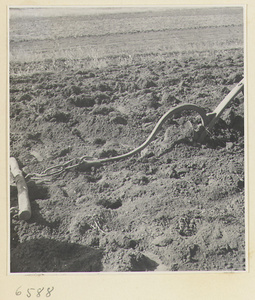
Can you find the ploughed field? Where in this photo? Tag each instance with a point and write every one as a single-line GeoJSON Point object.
{"type": "Point", "coordinates": [83, 85]}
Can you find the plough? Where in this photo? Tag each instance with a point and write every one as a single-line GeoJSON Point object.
{"type": "Point", "coordinates": [208, 120]}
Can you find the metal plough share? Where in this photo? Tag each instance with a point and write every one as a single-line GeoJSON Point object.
{"type": "Point", "coordinates": [208, 121]}
{"type": "Point", "coordinates": [213, 117]}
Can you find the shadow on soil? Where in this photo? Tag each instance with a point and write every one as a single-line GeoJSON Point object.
{"type": "Point", "coordinates": [46, 255]}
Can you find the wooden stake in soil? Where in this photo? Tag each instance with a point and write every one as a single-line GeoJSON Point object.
{"type": "Point", "coordinates": [23, 199]}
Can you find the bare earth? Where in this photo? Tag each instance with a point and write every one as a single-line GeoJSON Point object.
{"type": "Point", "coordinates": [177, 206]}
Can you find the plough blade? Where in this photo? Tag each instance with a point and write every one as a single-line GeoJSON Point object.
{"type": "Point", "coordinates": [213, 117]}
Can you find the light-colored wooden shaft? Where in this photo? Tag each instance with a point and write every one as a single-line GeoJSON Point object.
{"type": "Point", "coordinates": [23, 198]}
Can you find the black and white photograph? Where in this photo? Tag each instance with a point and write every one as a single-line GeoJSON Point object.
{"type": "Point", "coordinates": [127, 139]}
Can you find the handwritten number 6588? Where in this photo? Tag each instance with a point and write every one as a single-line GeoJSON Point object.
{"type": "Point", "coordinates": [39, 292]}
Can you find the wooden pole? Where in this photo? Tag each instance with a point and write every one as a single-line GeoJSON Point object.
{"type": "Point", "coordinates": [23, 199]}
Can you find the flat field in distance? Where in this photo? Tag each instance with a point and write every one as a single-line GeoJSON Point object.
{"type": "Point", "coordinates": [95, 82]}
{"type": "Point", "coordinates": [152, 32]}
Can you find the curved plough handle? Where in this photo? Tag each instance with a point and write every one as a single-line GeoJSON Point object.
{"type": "Point", "coordinates": [61, 168]}
{"type": "Point", "coordinates": [208, 121]}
